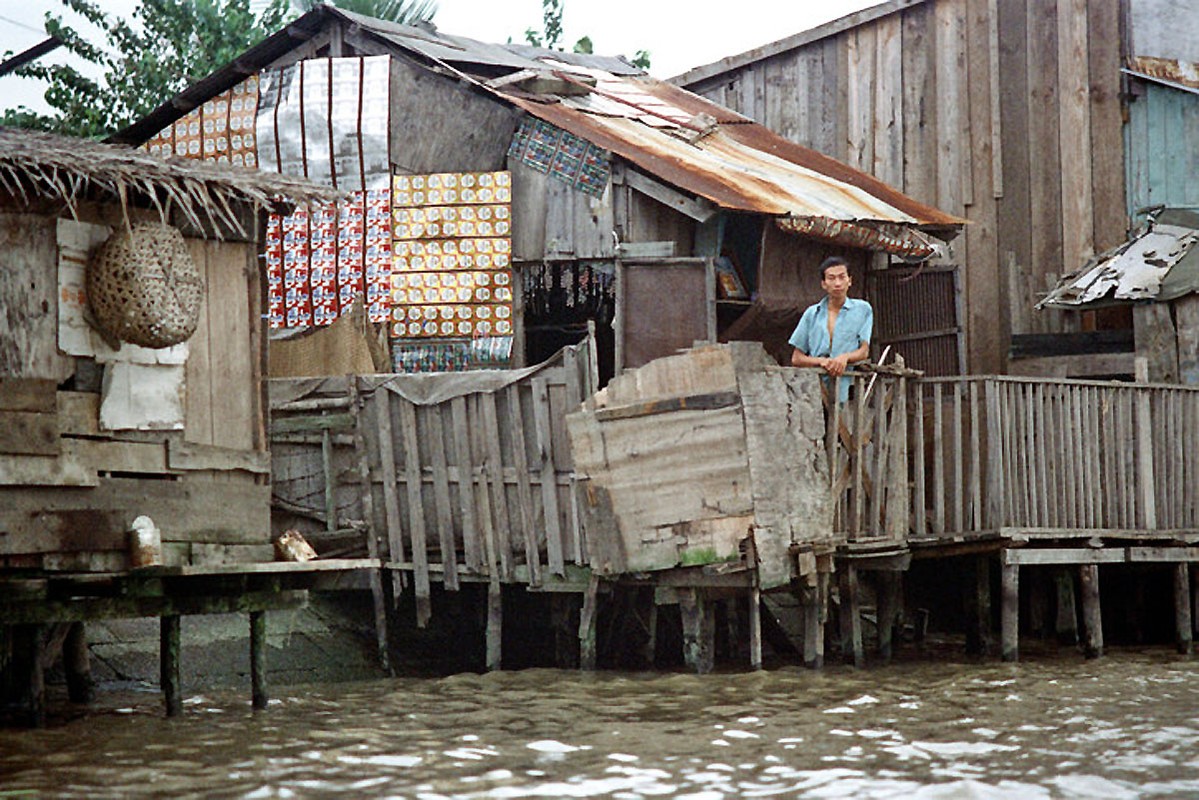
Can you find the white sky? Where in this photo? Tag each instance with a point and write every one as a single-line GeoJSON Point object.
{"type": "Point", "coordinates": [677, 33]}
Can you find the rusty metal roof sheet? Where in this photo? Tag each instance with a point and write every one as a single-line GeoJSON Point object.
{"type": "Point", "coordinates": [733, 162]}
{"type": "Point", "coordinates": [1179, 74]}
{"type": "Point", "coordinates": [1160, 263]}
{"type": "Point", "coordinates": [668, 132]}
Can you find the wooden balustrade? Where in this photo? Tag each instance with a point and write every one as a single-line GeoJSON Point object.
{"type": "Point", "coordinates": [946, 456]}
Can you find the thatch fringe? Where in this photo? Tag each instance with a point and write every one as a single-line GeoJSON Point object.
{"type": "Point", "coordinates": [207, 194]}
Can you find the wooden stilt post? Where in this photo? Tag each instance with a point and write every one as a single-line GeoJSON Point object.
{"type": "Point", "coordinates": [562, 610]}
{"type": "Point", "coordinates": [76, 661]}
{"type": "Point", "coordinates": [28, 646]}
{"type": "Point", "coordinates": [812, 633]}
{"type": "Point", "coordinates": [587, 619]}
{"type": "Point", "coordinates": [1182, 606]}
{"type": "Point", "coordinates": [851, 618]}
{"type": "Point", "coordinates": [755, 628]}
{"type": "Point", "coordinates": [1010, 611]}
{"type": "Point", "coordinates": [1088, 580]}
{"type": "Point", "coordinates": [888, 612]}
{"type": "Point", "coordinates": [978, 604]}
{"type": "Point", "coordinates": [495, 625]}
{"type": "Point", "coordinates": [1194, 604]}
{"type": "Point", "coordinates": [168, 664]}
{"type": "Point", "coordinates": [1039, 587]}
{"type": "Point", "coordinates": [258, 694]}
{"type": "Point", "coordinates": [651, 643]}
{"type": "Point", "coordinates": [1066, 626]}
{"type": "Point", "coordinates": [699, 630]}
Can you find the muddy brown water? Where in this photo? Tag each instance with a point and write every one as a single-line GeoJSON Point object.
{"type": "Point", "coordinates": [1123, 726]}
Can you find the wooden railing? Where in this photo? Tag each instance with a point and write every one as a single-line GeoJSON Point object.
{"type": "Point", "coordinates": [943, 456]}
{"type": "Point", "coordinates": [868, 447]}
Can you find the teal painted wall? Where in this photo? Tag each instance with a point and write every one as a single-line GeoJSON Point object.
{"type": "Point", "coordinates": [1162, 143]}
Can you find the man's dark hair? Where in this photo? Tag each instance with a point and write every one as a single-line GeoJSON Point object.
{"type": "Point", "coordinates": [832, 261]}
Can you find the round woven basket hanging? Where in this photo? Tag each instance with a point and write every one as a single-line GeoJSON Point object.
{"type": "Point", "coordinates": [143, 286]}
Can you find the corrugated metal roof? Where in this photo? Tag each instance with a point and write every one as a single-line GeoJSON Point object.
{"type": "Point", "coordinates": [740, 166]}
{"type": "Point", "coordinates": [1161, 263]}
{"type": "Point", "coordinates": [679, 137]}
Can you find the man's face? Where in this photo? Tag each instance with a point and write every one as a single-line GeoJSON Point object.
{"type": "Point", "coordinates": [836, 282]}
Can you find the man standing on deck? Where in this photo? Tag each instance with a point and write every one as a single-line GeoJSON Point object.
{"type": "Point", "coordinates": [835, 332]}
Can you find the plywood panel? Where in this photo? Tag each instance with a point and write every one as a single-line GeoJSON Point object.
{"type": "Point", "coordinates": [440, 124]}
{"type": "Point", "coordinates": [860, 81]}
{"type": "Point", "coordinates": [198, 411]}
{"type": "Point", "coordinates": [953, 122]}
{"type": "Point", "coordinates": [651, 327]}
{"type": "Point", "coordinates": [987, 315]}
{"type": "Point", "coordinates": [1013, 238]}
{"type": "Point", "coordinates": [1044, 154]}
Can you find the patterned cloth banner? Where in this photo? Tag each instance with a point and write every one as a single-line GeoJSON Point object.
{"type": "Point", "coordinates": [561, 155]}
{"type": "Point", "coordinates": [221, 130]}
{"type": "Point", "coordinates": [323, 256]}
{"type": "Point", "coordinates": [451, 259]}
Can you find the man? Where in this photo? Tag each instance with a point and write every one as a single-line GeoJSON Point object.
{"type": "Point", "coordinates": [835, 332]}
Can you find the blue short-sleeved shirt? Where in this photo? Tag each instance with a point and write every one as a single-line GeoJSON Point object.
{"type": "Point", "coordinates": [854, 325]}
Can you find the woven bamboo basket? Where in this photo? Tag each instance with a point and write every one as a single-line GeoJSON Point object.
{"type": "Point", "coordinates": [143, 286]}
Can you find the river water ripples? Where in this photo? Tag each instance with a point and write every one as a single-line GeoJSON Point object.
{"type": "Point", "coordinates": [1122, 726]}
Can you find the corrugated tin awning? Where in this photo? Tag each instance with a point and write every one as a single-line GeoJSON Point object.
{"type": "Point", "coordinates": [1160, 264]}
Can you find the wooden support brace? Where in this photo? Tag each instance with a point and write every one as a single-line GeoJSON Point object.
{"type": "Point", "coordinates": [495, 625]}
{"type": "Point", "coordinates": [258, 693]}
{"type": "Point", "coordinates": [1182, 607]}
{"type": "Point", "coordinates": [1010, 611]}
{"type": "Point", "coordinates": [28, 646]}
{"type": "Point", "coordinates": [1088, 580]}
{"type": "Point", "coordinates": [889, 588]}
{"type": "Point", "coordinates": [978, 601]}
{"type": "Point", "coordinates": [168, 664]}
{"type": "Point", "coordinates": [813, 637]}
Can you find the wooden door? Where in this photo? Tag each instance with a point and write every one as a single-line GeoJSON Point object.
{"type": "Point", "coordinates": [662, 305]}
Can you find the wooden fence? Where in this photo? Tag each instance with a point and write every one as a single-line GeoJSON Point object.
{"type": "Point", "coordinates": [867, 443]}
{"type": "Point", "coordinates": [464, 476]}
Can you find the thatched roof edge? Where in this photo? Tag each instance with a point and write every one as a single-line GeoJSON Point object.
{"type": "Point", "coordinates": [63, 168]}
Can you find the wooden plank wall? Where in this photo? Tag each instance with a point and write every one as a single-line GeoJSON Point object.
{"type": "Point", "coordinates": [1163, 165]}
{"type": "Point", "coordinates": [205, 487]}
{"type": "Point", "coordinates": [1005, 112]}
